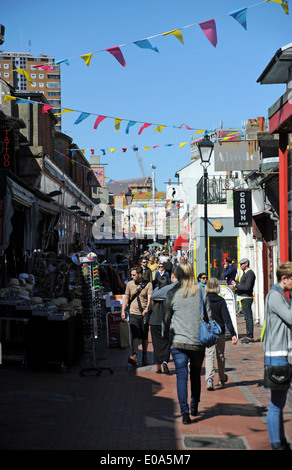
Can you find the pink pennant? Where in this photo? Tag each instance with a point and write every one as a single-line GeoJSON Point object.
{"type": "Point", "coordinates": [143, 127]}
{"type": "Point", "coordinates": [99, 119]}
{"type": "Point", "coordinates": [124, 149]}
{"type": "Point", "coordinates": [45, 108]}
{"type": "Point", "coordinates": [187, 127]}
{"type": "Point", "coordinates": [117, 53]}
{"type": "Point", "coordinates": [209, 29]}
{"type": "Point", "coordinates": [44, 67]}
{"type": "Point", "coordinates": [155, 146]}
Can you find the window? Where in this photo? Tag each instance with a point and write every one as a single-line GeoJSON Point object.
{"type": "Point", "coordinates": [220, 249]}
{"type": "Point", "coordinates": [41, 85]}
{"type": "Point", "coordinates": [41, 75]}
{"type": "Point", "coordinates": [6, 75]}
{"type": "Point", "coordinates": [6, 66]}
{"type": "Point", "coordinates": [33, 75]}
{"type": "Point", "coordinates": [33, 84]}
{"type": "Point", "coordinates": [53, 85]}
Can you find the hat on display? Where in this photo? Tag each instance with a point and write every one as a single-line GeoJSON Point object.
{"type": "Point", "coordinates": [244, 260]}
{"type": "Point", "coordinates": [13, 282]}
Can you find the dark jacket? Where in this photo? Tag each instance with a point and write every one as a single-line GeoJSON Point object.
{"type": "Point", "coordinates": [147, 275]}
{"type": "Point", "coordinates": [220, 312]}
{"type": "Point", "coordinates": [230, 273]}
{"type": "Point", "coordinates": [246, 284]}
{"type": "Point", "coordinates": [158, 277]}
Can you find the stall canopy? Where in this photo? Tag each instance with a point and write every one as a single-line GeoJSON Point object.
{"type": "Point", "coordinates": [155, 244]}
{"type": "Point", "coordinates": [182, 242]}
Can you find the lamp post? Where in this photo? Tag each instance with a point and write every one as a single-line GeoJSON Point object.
{"type": "Point", "coordinates": [205, 147]}
{"type": "Point", "coordinates": [154, 204]}
{"type": "Point", "coordinates": [129, 198]}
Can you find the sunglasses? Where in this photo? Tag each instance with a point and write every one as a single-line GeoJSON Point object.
{"type": "Point", "coordinates": [204, 277]}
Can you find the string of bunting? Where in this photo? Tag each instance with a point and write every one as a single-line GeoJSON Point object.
{"type": "Point", "coordinates": [100, 118]}
{"type": "Point", "coordinates": [208, 28]}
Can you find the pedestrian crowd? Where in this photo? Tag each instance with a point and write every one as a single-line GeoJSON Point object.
{"type": "Point", "coordinates": [164, 297]}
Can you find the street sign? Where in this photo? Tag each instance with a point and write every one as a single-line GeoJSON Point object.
{"type": "Point", "coordinates": [173, 192]}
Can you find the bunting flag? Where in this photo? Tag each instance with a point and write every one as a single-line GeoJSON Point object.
{"type": "Point", "coordinates": [177, 33]}
{"type": "Point", "coordinates": [98, 121]}
{"type": "Point", "coordinates": [145, 44]}
{"type": "Point", "coordinates": [9, 98]}
{"type": "Point", "coordinates": [130, 124]}
{"type": "Point", "coordinates": [187, 127]}
{"type": "Point", "coordinates": [117, 53]}
{"type": "Point", "coordinates": [81, 118]}
{"type": "Point", "coordinates": [284, 5]}
{"type": "Point", "coordinates": [144, 127]}
{"type": "Point", "coordinates": [23, 72]}
{"type": "Point", "coordinates": [64, 111]}
{"type": "Point", "coordinates": [47, 68]}
{"type": "Point", "coordinates": [62, 61]}
{"type": "Point", "coordinates": [240, 16]}
{"type": "Point", "coordinates": [117, 124]}
{"type": "Point", "coordinates": [46, 107]}
{"type": "Point", "coordinates": [209, 29]}
{"type": "Point", "coordinates": [159, 128]}
{"type": "Point", "coordinates": [87, 58]}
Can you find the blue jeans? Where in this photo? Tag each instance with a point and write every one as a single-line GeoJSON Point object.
{"type": "Point", "coordinates": [181, 358]}
{"type": "Point", "coordinates": [247, 313]}
{"type": "Point", "coordinates": [275, 421]}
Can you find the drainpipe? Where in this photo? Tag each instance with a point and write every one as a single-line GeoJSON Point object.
{"type": "Point", "coordinates": [283, 196]}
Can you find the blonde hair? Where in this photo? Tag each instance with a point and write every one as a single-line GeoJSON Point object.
{"type": "Point", "coordinates": [185, 276]}
{"type": "Point", "coordinates": [213, 286]}
{"type": "Point", "coordinates": [284, 269]}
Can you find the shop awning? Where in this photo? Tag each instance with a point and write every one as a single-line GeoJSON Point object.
{"type": "Point", "coordinates": [182, 242]}
{"type": "Point", "coordinates": [20, 194]}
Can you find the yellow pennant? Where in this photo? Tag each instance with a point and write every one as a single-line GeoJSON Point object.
{"type": "Point", "coordinates": [117, 124]}
{"type": "Point", "coordinates": [112, 150]}
{"type": "Point", "coordinates": [176, 33]}
{"type": "Point", "coordinates": [283, 3]}
{"type": "Point", "coordinates": [146, 148]}
{"type": "Point", "coordinates": [23, 72]}
{"type": "Point", "coordinates": [159, 128]}
{"type": "Point", "coordinates": [8, 98]}
{"type": "Point", "coordinates": [64, 111]}
{"type": "Point", "coordinates": [182, 144]}
{"type": "Point", "coordinates": [87, 58]}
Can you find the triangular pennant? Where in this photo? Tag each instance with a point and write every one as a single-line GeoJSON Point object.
{"type": "Point", "coordinates": [46, 107]}
{"type": "Point", "coordinates": [182, 144]}
{"type": "Point", "coordinates": [47, 68]}
{"type": "Point", "coordinates": [87, 58]}
{"type": "Point", "coordinates": [81, 117]}
{"type": "Point", "coordinates": [284, 5]}
{"type": "Point", "coordinates": [159, 128]}
{"type": "Point", "coordinates": [143, 127]}
{"type": "Point", "coordinates": [130, 124]}
{"type": "Point", "coordinates": [63, 61]}
{"type": "Point", "coordinates": [112, 150]}
{"type": "Point", "coordinates": [117, 53]}
{"type": "Point", "coordinates": [209, 29]}
{"type": "Point", "coordinates": [146, 148]}
{"type": "Point", "coordinates": [177, 33]}
{"type": "Point", "coordinates": [23, 72]}
{"type": "Point", "coordinates": [124, 149]}
{"type": "Point", "coordinates": [98, 120]}
{"type": "Point", "coordinates": [8, 98]}
{"type": "Point", "coordinates": [117, 124]}
{"type": "Point", "coordinates": [145, 44]}
{"type": "Point", "coordinates": [187, 127]}
{"type": "Point", "coordinates": [64, 111]}
{"type": "Point", "coordinates": [240, 16]}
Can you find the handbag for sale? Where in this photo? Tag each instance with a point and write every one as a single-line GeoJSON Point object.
{"type": "Point", "coordinates": [209, 329]}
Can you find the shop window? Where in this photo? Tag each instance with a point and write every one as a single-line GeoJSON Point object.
{"type": "Point", "coordinates": [220, 249]}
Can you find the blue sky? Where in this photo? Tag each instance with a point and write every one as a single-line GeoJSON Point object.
{"type": "Point", "coordinates": [192, 83]}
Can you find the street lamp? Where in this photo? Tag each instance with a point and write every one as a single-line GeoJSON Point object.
{"type": "Point", "coordinates": [129, 198]}
{"type": "Point", "coordinates": [205, 147]}
{"type": "Point", "coordinates": [154, 204]}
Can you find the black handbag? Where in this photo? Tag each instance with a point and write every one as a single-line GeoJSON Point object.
{"type": "Point", "coordinates": [277, 377]}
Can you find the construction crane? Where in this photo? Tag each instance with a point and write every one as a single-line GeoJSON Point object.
{"type": "Point", "coordinates": [139, 160]}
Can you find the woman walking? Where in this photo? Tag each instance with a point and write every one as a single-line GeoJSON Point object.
{"type": "Point", "coordinates": [182, 323]}
{"type": "Point", "coordinates": [221, 315]}
{"type": "Point", "coordinates": [278, 315]}
{"type": "Point", "coordinates": [161, 346]}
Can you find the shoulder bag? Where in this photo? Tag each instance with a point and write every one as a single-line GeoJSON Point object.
{"type": "Point", "coordinates": [209, 329]}
{"type": "Point", "coordinates": [277, 377]}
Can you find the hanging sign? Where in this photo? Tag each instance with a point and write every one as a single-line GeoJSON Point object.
{"type": "Point", "coordinates": [242, 208]}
